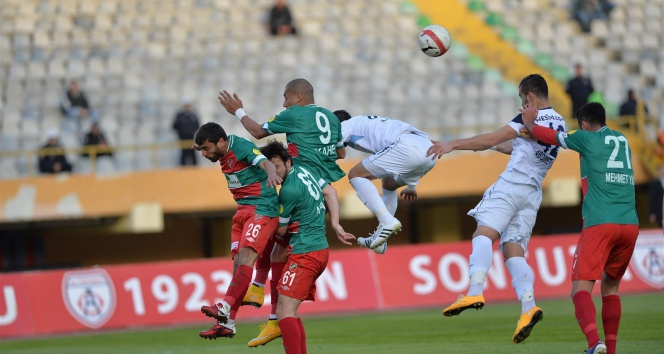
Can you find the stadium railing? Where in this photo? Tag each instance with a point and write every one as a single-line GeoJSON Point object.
{"type": "Point", "coordinates": [93, 152]}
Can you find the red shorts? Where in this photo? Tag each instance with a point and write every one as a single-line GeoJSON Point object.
{"type": "Point", "coordinates": [300, 273]}
{"type": "Point", "coordinates": [604, 248]}
{"type": "Point", "coordinates": [251, 230]}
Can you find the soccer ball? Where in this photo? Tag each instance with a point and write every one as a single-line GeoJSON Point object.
{"type": "Point", "coordinates": [435, 40]}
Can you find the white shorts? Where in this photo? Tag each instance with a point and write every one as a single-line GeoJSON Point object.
{"type": "Point", "coordinates": [510, 209]}
{"type": "Point", "coordinates": [405, 160]}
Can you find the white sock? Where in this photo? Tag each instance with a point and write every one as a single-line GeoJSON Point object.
{"type": "Point", "coordinates": [390, 200]}
{"type": "Point", "coordinates": [522, 282]}
{"type": "Point", "coordinates": [229, 323]}
{"type": "Point", "coordinates": [273, 317]}
{"type": "Point", "coordinates": [480, 262]}
{"type": "Point", "coordinates": [259, 284]}
{"type": "Point", "coordinates": [368, 194]}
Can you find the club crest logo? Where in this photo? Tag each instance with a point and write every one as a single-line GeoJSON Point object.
{"type": "Point", "coordinates": [648, 259]}
{"type": "Point", "coordinates": [89, 296]}
{"type": "Point", "coordinates": [256, 151]}
{"type": "Point", "coordinates": [258, 217]}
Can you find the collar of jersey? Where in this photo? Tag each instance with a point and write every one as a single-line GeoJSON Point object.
{"type": "Point", "coordinates": [230, 142]}
{"type": "Point", "coordinates": [310, 105]}
{"type": "Point", "coordinates": [292, 169]}
{"type": "Point", "coordinates": [541, 109]}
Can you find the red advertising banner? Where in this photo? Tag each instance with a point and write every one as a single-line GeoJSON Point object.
{"type": "Point", "coordinates": [436, 274]}
{"type": "Point", "coordinates": [173, 292]}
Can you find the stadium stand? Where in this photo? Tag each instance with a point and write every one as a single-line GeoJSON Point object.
{"type": "Point", "coordinates": [621, 52]}
{"type": "Point", "coordinates": [137, 61]}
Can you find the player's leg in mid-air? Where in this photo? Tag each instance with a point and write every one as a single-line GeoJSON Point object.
{"type": "Point", "coordinates": [480, 261]}
{"type": "Point", "coordinates": [523, 282]}
{"type": "Point", "coordinates": [245, 250]}
{"type": "Point", "coordinates": [270, 330]}
{"type": "Point", "coordinates": [255, 295]}
{"type": "Point", "coordinates": [513, 210]}
{"type": "Point", "coordinates": [360, 177]}
{"type": "Point", "coordinates": [402, 163]}
{"type": "Point", "coordinates": [492, 215]}
{"type": "Point", "coordinates": [389, 197]}
{"type": "Point", "coordinates": [514, 243]}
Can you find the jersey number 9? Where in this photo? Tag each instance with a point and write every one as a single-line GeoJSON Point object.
{"type": "Point", "coordinates": [324, 126]}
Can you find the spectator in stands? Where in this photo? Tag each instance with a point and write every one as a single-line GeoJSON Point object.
{"type": "Point", "coordinates": [53, 159]}
{"type": "Point", "coordinates": [656, 198]}
{"type": "Point", "coordinates": [281, 20]}
{"type": "Point", "coordinates": [186, 124]}
{"type": "Point", "coordinates": [95, 137]}
{"type": "Point", "coordinates": [579, 88]}
{"type": "Point", "coordinates": [628, 108]}
{"type": "Point", "coordinates": [74, 104]}
{"type": "Point", "coordinates": [585, 11]}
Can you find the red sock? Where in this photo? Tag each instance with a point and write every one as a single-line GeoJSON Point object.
{"type": "Point", "coordinates": [303, 346]}
{"type": "Point", "coordinates": [239, 285]}
{"type": "Point", "coordinates": [263, 263]}
{"type": "Point", "coordinates": [584, 310]}
{"type": "Point", "coordinates": [290, 333]}
{"type": "Point", "coordinates": [611, 310]}
{"type": "Point", "coordinates": [277, 270]}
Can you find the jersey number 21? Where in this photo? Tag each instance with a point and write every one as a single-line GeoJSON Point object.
{"type": "Point", "coordinates": [616, 141]}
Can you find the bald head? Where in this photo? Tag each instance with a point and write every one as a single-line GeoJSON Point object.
{"type": "Point", "coordinates": [303, 88]}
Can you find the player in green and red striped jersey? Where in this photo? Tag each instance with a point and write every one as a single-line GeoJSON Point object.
{"type": "Point", "coordinates": [252, 180]}
{"type": "Point", "coordinates": [314, 140]}
{"type": "Point", "coordinates": [610, 223]}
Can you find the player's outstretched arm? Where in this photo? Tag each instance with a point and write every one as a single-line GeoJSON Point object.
{"type": "Point", "coordinates": [477, 143]}
{"type": "Point", "coordinates": [273, 178]}
{"type": "Point", "coordinates": [332, 202]}
{"type": "Point", "coordinates": [233, 105]}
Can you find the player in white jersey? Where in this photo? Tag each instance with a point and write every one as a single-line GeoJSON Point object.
{"type": "Point", "coordinates": [509, 207]}
{"type": "Point", "coordinates": [399, 159]}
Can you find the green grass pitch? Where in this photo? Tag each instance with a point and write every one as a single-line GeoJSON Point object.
{"type": "Point", "coordinates": [415, 331]}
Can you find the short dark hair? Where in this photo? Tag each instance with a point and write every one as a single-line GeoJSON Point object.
{"type": "Point", "coordinates": [343, 115]}
{"type": "Point", "coordinates": [536, 84]}
{"type": "Point", "coordinates": [211, 132]}
{"type": "Point", "coordinates": [274, 149]}
{"type": "Point", "coordinates": [593, 113]}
